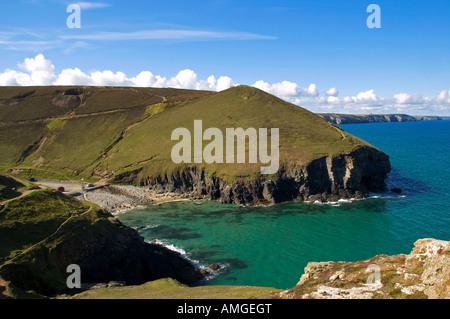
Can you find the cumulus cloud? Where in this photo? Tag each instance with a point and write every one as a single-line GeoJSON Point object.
{"type": "Point", "coordinates": [311, 90]}
{"type": "Point", "coordinates": [284, 90]}
{"type": "Point", "coordinates": [223, 83]}
{"type": "Point", "coordinates": [41, 71]}
{"type": "Point", "coordinates": [368, 95]}
{"type": "Point", "coordinates": [443, 97]}
{"type": "Point", "coordinates": [332, 92]}
{"type": "Point", "coordinates": [407, 99]}
{"type": "Point", "coordinates": [287, 90]}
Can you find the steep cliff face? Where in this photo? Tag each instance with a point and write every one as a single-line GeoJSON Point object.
{"type": "Point", "coordinates": [43, 233]}
{"type": "Point", "coordinates": [327, 178]}
{"type": "Point", "coordinates": [374, 118]}
{"type": "Point", "coordinates": [424, 273]}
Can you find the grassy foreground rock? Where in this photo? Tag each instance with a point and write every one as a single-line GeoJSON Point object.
{"type": "Point", "coordinates": [423, 274]}
{"type": "Point", "coordinates": [44, 232]}
{"type": "Point", "coordinates": [171, 289]}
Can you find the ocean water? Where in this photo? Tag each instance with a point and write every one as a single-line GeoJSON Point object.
{"type": "Point", "coordinates": [270, 246]}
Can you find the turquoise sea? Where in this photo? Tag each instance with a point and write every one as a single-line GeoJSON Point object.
{"type": "Point", "coordinates": [270, 246]}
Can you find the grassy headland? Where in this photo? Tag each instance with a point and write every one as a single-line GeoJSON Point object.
{"type": "Point", "coordinates": [95, 133]}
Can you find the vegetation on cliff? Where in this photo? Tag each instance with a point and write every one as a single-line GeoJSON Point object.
{"type": "Point", "coordinates": [124, 135]}
{"type": "Point", "coordinates": [44, 232]}
{"type": "Point", "coordinates": [423, 274]}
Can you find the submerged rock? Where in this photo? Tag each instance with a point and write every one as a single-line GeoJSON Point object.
{"type": "Point", "coordinates": [396, 190]}
{"type": "Point", "coordinates": [214, 266]}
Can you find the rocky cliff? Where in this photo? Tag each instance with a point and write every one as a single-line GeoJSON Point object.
{"type": "Point", "coordinates": [125, 135]}
{"type": "Point", "coordinates": [424, 273]}
{"type": "Point", "coordinates": [43, 233]}
{"type": "Point", "coordinates": [374, 118]}
{"type": "Point", "coordinates": [351, 175]}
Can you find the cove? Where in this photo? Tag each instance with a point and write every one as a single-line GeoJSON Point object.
{"type": "Point", "coordinates": [270, 246]}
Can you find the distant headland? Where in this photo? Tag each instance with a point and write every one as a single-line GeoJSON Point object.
{"type": "Point", "coordinates": [337, 118]}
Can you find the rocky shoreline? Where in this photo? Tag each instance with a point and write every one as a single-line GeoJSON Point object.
{"type": "Point", "coordinates": [352, 175]}
{"type": "Point", "coordinates": [327, 179]}
{"type": "Point", "coordinates": [117, 199]}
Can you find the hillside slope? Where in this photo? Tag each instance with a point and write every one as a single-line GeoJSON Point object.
{"type": "Point", "coordinates": [44, 232]}
{"type": "Point", "coordinates": [124, 135]}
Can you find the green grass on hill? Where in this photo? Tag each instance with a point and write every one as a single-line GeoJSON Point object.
{"type": "Point", "coordinates": [171, 289]}
{"type": "Point", "coordinates": [304, 136]}
{"type": "Point", "coordinates": [117, 130]}
{"type": "Point", "coordinates": [32, 218]}
{"type": "Point", "coordinates": [40, 234]}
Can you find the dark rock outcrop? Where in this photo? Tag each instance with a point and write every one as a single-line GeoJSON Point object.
{"type": "Point", "coordinates": [104, 248]}
{"type": "Point", "coordinates": [327, 178]}
{"type": "Point", "coordinates": [126, 257]}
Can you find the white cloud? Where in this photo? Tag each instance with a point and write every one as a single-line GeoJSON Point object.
{"type": "Point", "coordinates": [284, 90]}
{"type": "Point", "coordinates": [223, 83]}
{"type": "Point", "coordinates": [332, 92]}
{"type": "Point", "coordinates": [38, 71]}
{"type": "Point", "coordinates": [72, 77]}
{"type": "Point", "coordinates": [333, 99]}
{"type": "Point", "coordinates": [146, 78]}
{"type": "Point", "coordinates": [443, 97]}
{"type": "Point", "coordinates": [92, 5]}
{"type": "Point", "coordinates": [41, 71]}
{"type": "Point", "coordinates": [406, 99]}
{"type": "Point", "coordinates": [185, 79]}
{"type": "Point", "coordinates": [109, 78]}
{"type": "Point", "coordinates": [368, 95]}
{"type": "Point", "coordinates": [25, 39]}
{"type": "Point", "coordinates": [12, 78]}
{"type": "Point", "coordinates": [168, 34]}
{"type": "Point", "coordinates": [311, 90]}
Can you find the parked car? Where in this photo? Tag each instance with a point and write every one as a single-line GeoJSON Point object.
{"type": "Point", "coordinates": [89, 185]}
{"type": "Point", "coordinates": [61, 189]}
{"type": "Point", "coordinates": [31, 179]}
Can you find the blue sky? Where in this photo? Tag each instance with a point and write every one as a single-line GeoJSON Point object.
{"type": "Point", "coordinates": [297, 50]}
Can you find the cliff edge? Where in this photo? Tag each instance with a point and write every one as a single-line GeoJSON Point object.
{"type": "Point", "coordinates": [423, 274]}
{"type": "Point", "coordinates": [124, 136]}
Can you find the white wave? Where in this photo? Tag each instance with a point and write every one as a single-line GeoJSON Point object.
{"type": "Point", "coordinates": [211, 274]}
{"type": "Point", "coordinates": [170, 246]}
{"type": "Point", "coordinates": [150, 227]}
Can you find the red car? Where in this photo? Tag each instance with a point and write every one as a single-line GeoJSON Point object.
{"type": "Point", "coordinates": [60, 189]}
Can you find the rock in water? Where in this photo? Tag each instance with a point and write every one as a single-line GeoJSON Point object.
{"type": "Point", "coordinates": [214, 266]}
